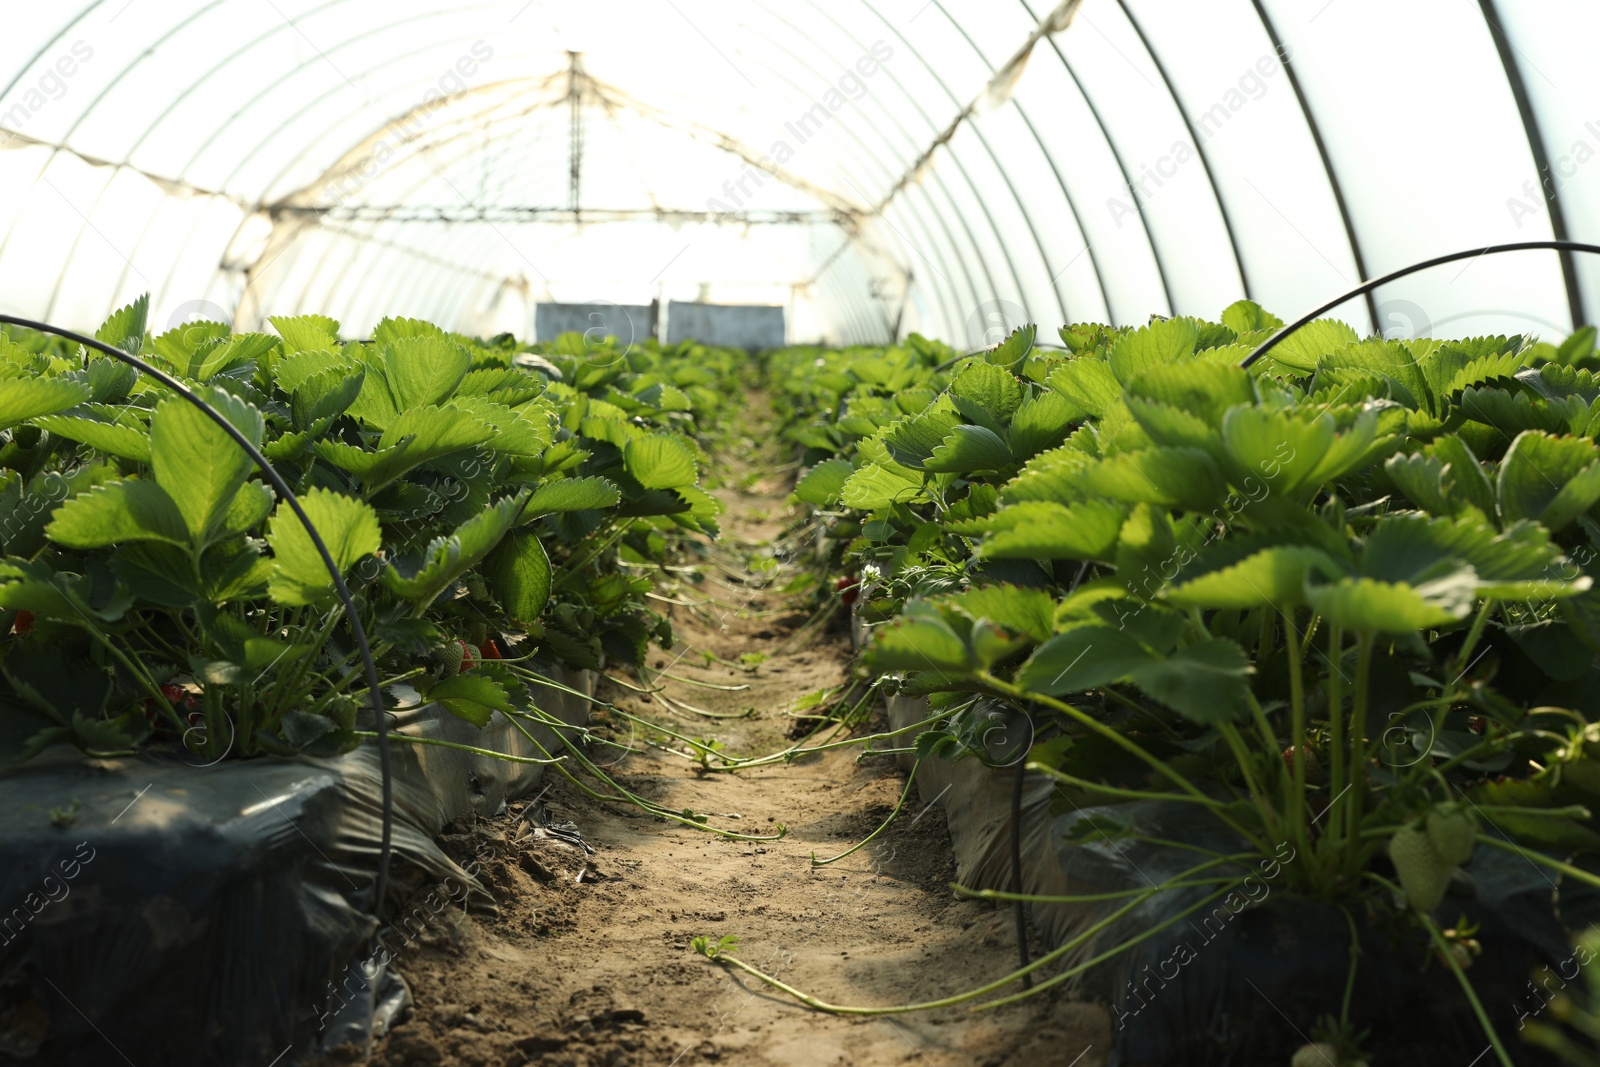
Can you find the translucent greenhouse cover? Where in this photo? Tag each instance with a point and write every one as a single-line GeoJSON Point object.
{"type": "Point", "coordinates": [953, 167]}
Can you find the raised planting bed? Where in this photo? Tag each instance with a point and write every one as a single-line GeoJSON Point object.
{"type": "Point", "coordinates": [1298, 625]}
{"type": "Point", "coordinates": [1222, 984]}
{"type": "Point", "coordinates": [218, 550]}
{"type": "Point", "coordinates": [222, 914]}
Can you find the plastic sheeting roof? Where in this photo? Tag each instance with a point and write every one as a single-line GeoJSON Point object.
{"type": "Point", "coordinates": [875, 166]}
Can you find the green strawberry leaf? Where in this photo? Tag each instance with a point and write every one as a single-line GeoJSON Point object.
{"type": "Point", "coordinates": [423, 371]}
{"type": "Point", "coordinates": [1307, 346]}
{"type": "Point", "coordinates": [1011, 352]}
{"type": "Point", "coordinates": [349, 529]}
{"type": "Point", "coordinates": [290, 372]}
{"type": "Point", "coordinates": [325, 395]}
{"type": "Point", "coordinates": [198, 464]}
{"type": "Point", "coordinates": [1087, 384]}
{"type": "Point", "coordinates": [447, 558]}
{"type": "Point", "coordinates": [877, 486]}
{"type": "Point", "coordinates": [518, 573]}
{"type": "Point", "coordinates": [1045, 530]}
{"type": "Point", "coordinates": [823, 483]}
{"type": "Point", "coordinates": [1040, 422]}
{"type": "Point", "coordinates": [1550, 480]}
{"type": "Point", "coordinates": [1205, 683]}
{"type": "Point", "coordinates": [472, 696]}
{"type": "Point", "coordinates": [160, 573]}
{"type": "Point", "coordinates": [1246, 316]}
{"type": "Point", "coordinates": [23, 398]}
{"type": "Point", "coordinates": [660, 461]}
{"type": "Point", "coordinates": [919, 640]}
{"type": "Point", "coordinates": [1156, 345]}
{"type": "Point", "coordinates": [1366, 605]}
{"type": "Point", "coordinates": [571, 494]}
{"type": "Point", "coordinates": [415, 437]}
{"type": "Point", "coordinates": [1202, 389]}
{"type": "Point", "coordinates": [29, 586]}
{"type": "Point", "coordinates": [1028, 611]}
{"type": "Point", "coordinates": [1085, 657]}
{"type": "Point", "coordinates": [968, 449]}
{"type": "Point", "coordinates": [302, 332]}
{"type": "Point", "coordinates": [128, 510]}
{"type": "Point", "coordinates": [124, 439]}
{"type": "Point", "coordinates": [125, 328]}
{"type": "Point", "coordinates": [911, 441]}
{"type": "Point", "coordinates": [993, 388]}
{"type": "Point", "coordinates": [1274, 577]}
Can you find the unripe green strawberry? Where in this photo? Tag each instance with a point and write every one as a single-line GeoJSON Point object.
{"type": "Point", "coordinates": [450, 659]}
{"type": "Point", "coordinates": [1316, 1054]}
{"type": "Point", "coordinates": [477, 588]}
{"type": "Point", "coordinates": [1453, 833]}
{"type": "Point", "coordinates": [1424, 873]}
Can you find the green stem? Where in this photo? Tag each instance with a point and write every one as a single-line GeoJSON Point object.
{"type": "Point", "coordinates": [1459, 665]}
{"type": "Point", "coordinates": [1461, 977]}
{"type": "Point", "coordinates": [1218, 810]}
{"type": "Point", "coordinates": [1088, 898]}
{"type": "Point", "coordinates": [1571, 811]}
{"type": "Point", "coordinates": [141, 676]}
{"type": "Point", "coordinates": [1335, 721]}
{"type": "Point", "coordinates": [411, 739]}
{"type": "Point", "coordinates": [1567, 869]}
{"type": "Point", "coordinates": [1178, 881]}
{"type": "Point", "coordinates": [569, 571]}
{"type": "Point", "coordinates": [1358, 733]}
{"type": "Point", "coordinates": [959, 998]}
{"type": "Point", "coordinates": [623, 796]}
{"type": "Point", "coordinates": [789, 755]}
{"type": "Point", "coordinates": [1350, 981]}
{"type": "Point", "coordinates": [1296, 814]}
{"type": "Point", "coordinates": [1115, 737]}
{"type": "Point", "coordinates": [1258, 796]}
{"type": "Point", "coordinates": [910, 780]}
{"type": "Point", "coordinates": [1115, 950]}
{"type": "Point", "coordinates": [1135, 706]}
{"type": "Point", "coordinates": [1119, 791]}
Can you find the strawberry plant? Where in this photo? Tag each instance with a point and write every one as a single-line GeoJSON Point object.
{"type": "Point", "coordinates": [155, 591]}
{"type": "Point", "coordinates": [1341, 601]}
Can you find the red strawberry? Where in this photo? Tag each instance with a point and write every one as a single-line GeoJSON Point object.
{"type": "Point", "coordinates": [1475, 723]}
{"type": "Point", "coordinates": [1313, 764]}
{"type": "Point", "coordinates": [489, 650]}
{"type": "Point", "coordinates": [467, 659]}
{"type": "Point", "coordinates": [180, 699]}
{"type": "Point", "coordinates": [24, 624]}
{"type": "Point", "coordinates": [847, 587]}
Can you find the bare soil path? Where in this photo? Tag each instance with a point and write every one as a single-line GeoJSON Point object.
{"type": "Point", "coordinates": [588, 961]}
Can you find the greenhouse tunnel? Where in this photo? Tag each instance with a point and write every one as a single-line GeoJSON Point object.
{"type": "Point", "coordinates": [945, 167]}
{"type": "Point", "coordinates": [860, 532]}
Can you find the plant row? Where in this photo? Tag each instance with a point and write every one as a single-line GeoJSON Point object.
{"type": "Point", "coordinates": [1343, 600]}
{"type": "Point", "coordinates": [485, 505]}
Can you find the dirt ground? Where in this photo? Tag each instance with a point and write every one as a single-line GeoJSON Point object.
{"type": "Point", "coordinates": [588, 961]}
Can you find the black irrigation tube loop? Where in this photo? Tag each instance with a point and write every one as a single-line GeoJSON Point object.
{"type": "Point", "coordinates": [1366, 287]}
{"type": "Point", "coordinates": [380, 717]}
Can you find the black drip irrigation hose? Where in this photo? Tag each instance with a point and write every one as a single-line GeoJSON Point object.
{"type": "Point", "coordinates": [1366, 287]}
{"type": "Point", "coordinates": [380, 717]}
